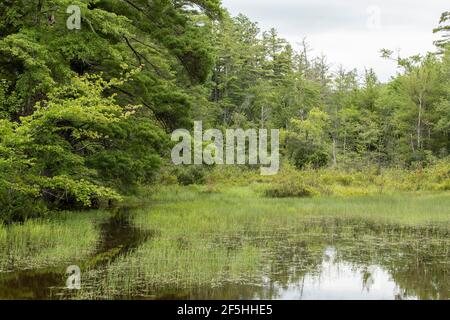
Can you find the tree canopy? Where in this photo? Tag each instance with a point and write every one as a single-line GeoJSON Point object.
{"type": "Point", "coordinates": [85, 114]}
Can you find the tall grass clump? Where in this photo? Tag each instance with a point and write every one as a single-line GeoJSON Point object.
{"type": "Point", "coordinates": [288, 189]}
{"type": "Point", "coordinates": [67, 238]}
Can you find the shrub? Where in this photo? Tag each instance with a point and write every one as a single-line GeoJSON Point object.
{"type": "Point", "coordinates": [289, 189]}
{"type": "Point", "coordinates": [187, 175]}
{"type": "Point", "coordinates": [19, 207]}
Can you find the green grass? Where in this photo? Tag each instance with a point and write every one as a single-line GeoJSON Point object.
{"type": "Point", "coordinates": [62, 238]}
{"type": "Point", "coordinates": [204, 237]}
{"type": "Point", "coordinates": [335, 181]}
{"type": "Point", "coordinates": [208, 239]}
{"type": "Point", "coordinates": [412, 208]}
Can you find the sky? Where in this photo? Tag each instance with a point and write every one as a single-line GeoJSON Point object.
{"type": "Point", "coordinates": [350, 32]}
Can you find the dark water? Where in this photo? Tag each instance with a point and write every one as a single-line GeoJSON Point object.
{"type": "Point", "coordinates": [118, 237]}
{"type": "Point", "coordinates": [382, 266]}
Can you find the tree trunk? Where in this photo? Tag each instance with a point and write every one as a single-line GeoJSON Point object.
{"type": "Point", "coordinates": [334, 152]}
{"type": "Point", "coordinates": [419, 124]}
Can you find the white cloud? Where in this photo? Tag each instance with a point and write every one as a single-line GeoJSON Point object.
{"type": "Point", "coordinates": [338, 28]}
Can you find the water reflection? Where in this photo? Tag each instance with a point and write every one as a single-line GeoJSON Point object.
{"type": "Point", "coordinates": [118, 236]}
{"type": "Point", "coordinates": [313, 268]}
{"type": "Point", "coordinates": [340, 280]}
{"type": "Point", "coordinates": [338, 261]}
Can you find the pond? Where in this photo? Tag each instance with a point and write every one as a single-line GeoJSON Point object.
{"type": "Point", "coordinates": [336, 272]}
{"type": "Point", "coordinates": [333, 280]}
{"type": "Point", "coordinates": [144, 255]}
{"type": "Point", "coordinates": [118, 236]}
{"type": "Point", "coordinates": [343, 280]}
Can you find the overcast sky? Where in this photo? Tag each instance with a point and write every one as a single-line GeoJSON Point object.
{"type": "Point", "coordinates": [350, 32]}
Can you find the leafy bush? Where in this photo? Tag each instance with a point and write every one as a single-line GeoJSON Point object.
{"type": "Point", "coordinates": [187, 175]}
{"type": "Point", "coordinates": [16, 206]}
{"type": "Point", "coordinates": [289, 189]}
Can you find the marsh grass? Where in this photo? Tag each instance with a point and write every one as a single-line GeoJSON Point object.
{"type": "Point", "coordinates": [235, 237]}
{"type": "Point", "coordinates": [62, 239]}
{"type": "Point", "coordinates": [248, 203]}
{"type": "Point", "coordinates": [291, 182]}
{"type": "Point", "coordinates": [225, 239]}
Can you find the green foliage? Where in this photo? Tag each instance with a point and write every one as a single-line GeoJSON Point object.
{"type": "Point", "coordinates": [444, 30]}
{"type": "Point", "coordinates": [71, 133]}
{"type": "Point", "coordinates": [290, 188]}
{"type": "Point", "coordinates": [187, 175]}
{"type": "Point", "coordinates": [306, 140]}
{"type": "Point", "coordinates": [38, 51]}
{"type": "Point", "coordinates": [75, 149]}
{"type": "Point", "coordinates": [260, 81]}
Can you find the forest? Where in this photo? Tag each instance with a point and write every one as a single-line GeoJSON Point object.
{"type": "Point", "coordinates": [86, 118]}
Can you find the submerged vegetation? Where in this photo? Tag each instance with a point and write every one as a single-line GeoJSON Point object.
{"type": "Point", "coordinates": [237, 243]}
{"type": "Point", "coordinates": [236, 239]}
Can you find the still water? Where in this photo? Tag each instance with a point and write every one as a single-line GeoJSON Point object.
{"type": "Point", "coordinates": [297, 267]}
{"type": "Point", "coordinates": [337, 280]}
